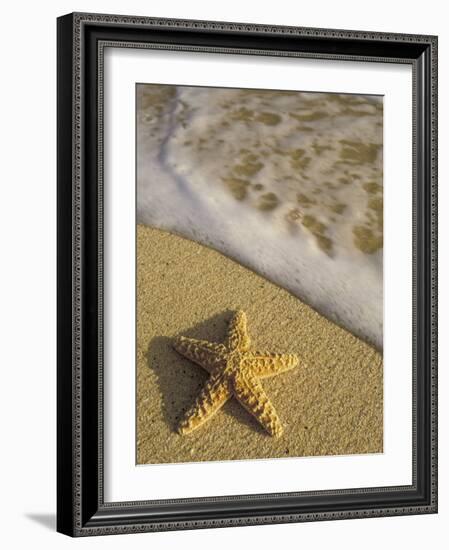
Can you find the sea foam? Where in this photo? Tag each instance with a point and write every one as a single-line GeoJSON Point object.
{"type": "Point", "coordinates": [286, 183]}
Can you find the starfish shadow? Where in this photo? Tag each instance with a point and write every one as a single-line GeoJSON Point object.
{"type": "Point", "coordinates": [180, 380]}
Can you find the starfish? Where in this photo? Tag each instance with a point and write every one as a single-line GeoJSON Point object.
{"type": "Point", "coordinates": [234, 372]}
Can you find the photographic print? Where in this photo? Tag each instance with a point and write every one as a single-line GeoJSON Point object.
{"type": "Point", "coordinates": [259, 274]}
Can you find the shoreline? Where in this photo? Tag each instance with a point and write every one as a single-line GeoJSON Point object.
{"type": "Point", "coordinates": [300, 208]}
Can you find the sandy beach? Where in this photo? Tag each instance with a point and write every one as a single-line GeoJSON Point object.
{"type": "Point", "coordinates": [331, 404]}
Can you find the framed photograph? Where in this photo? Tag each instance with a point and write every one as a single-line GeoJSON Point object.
{"type": "Point", "coordinates": [247, 284]}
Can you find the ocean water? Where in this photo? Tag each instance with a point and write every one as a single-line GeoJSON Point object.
{"type": "Point", "coordinates": [286, 183]}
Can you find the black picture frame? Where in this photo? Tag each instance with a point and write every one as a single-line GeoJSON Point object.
{"type": "Point", "coordinates": [81, 510]}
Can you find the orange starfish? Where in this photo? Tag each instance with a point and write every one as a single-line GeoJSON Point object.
{"type": "Point", "coordinates": [234, 372]}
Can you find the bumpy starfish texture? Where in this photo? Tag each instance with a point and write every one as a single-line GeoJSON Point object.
{"type": "Point", "coordinates": [234, 372]}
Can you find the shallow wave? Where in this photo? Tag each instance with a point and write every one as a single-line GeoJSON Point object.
{"type": "Point", "coordinates": [286, 183]}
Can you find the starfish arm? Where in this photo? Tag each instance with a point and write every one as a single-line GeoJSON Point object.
{"type": "Point", "coordinates": [211, 398]}
{"type": "Point", "coordinates": [264, 365]}
{"type": "Point", "coordinates": [205, 354]}
{"type": "Point", "coordinates": [249, 392]}
{"type": "Point", "coordinates": [237, 334]}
